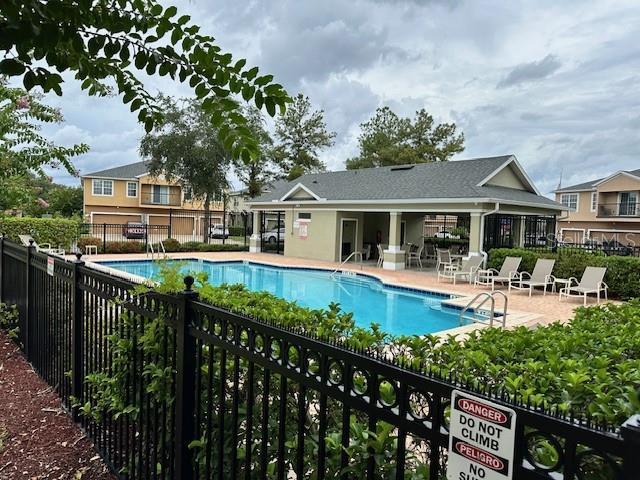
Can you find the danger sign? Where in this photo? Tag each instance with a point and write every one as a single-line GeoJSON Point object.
{"type": "Point", "coordinates": [481, 439]}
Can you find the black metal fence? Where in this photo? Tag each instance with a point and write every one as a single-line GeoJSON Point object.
{"type": "Point", "coordinates": [217, 395]}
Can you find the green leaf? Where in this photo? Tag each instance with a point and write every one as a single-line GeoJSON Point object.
{"type": "Point", "coordinates": [156, 10]}
{"type": "Point", "coordinates": [183, 19]}
{"type": "Point", "coordinates": [176, 35]}
{"type": "Point", "coordinates": [170, 12]}
{"type": "Point", "coordinates": [141, 60]}
{"type": "Point", "coordinates": [11, 67]}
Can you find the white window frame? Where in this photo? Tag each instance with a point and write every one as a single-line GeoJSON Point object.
{"type": "Point", "coordinates": [594, 201]}
{"type": "Point", "coordinates": [569, 195]}
{"type": "Point", "coordinates": [135, 184]}
{"type": "Point", "coordinates": [101, 182]}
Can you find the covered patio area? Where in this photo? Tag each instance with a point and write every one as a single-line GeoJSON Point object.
{"type": "Point", "coordinates": [389, 214]}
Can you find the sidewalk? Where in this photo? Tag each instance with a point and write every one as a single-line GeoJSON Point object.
{"type": "Point", "coordinates": [38, 440]}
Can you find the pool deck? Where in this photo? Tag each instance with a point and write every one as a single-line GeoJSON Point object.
{"type": "Point", "coordinates": [538, 310]}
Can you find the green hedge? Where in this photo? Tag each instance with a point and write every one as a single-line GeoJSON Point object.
{"type": "Point", "coordinates": [623, 273]}
{"type": "Point", "coordinates": [56, 231]}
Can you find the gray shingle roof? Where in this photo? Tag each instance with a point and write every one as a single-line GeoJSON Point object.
{"type": "Point", "coordinates": [131, 170]}
{"type": "Point", "coordinates": [592, 184]}
{"type": "Point", "coordinates": [455, 179]}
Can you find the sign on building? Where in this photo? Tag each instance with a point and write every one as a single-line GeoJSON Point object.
{"type": "Point", "coordinates": [481, 439]}
{"type": "Point", "coordinates": [50, 265]}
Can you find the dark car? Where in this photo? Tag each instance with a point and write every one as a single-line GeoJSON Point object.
{"type": "Point", "coordinates": [613, 247]}
{"type": "Point", "coordinates": [135, 230]}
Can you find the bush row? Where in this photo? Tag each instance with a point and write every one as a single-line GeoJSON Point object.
{"type": "Point", "coordinates": [623, 273]}
{"type": "Point", "coordinates": [170, 245]}
{"type": "Point", "coordinates": [55, 231]}
{"type": "Point", "coordinates": [589, 366]}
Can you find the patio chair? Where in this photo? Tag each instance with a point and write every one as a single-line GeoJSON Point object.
{"type": "Point", "coordinates": [380, 256]}
{"type": "Point", "coordinates": [366, 251]}
{"type": "Point", "coordinates": [592, 281]}
{"type": "Point", "coordinates": [540, 277]}
{"type": "Point", "coordinates": [468, 268]}
{"type": "Point", "coordinates": [28, 240]}
{"type": "Point", "coordinates": [430, 252]}
{"type": "Point", "coordinates": [443, 258]}
{"type": "Point", "coordinates": [491, 276]}
{"type": "Point", "coordinates": [416, 255]}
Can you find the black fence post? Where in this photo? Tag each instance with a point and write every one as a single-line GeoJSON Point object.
{"type": "Point", "coordinates": [77, 312]}
{"type": "Point", "coordinates": [631, 435]}
{"type": "Point", "coordinates": [244, 221]}
{"type": "Point", "coordinates": [185, 384]}
{"type": "Point", "coordinates": [146, 237]}
{"type": "Point", "coordinates": [28, 303]}
{"type": "Point", "coordinates": [170, 222]}
{"type": "Point", "coordinates": [104, 238]}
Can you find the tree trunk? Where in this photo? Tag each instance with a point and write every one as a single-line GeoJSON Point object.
{"type": "Point", "coordinates": [207, 219]}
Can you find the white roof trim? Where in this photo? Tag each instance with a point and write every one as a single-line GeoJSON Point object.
{"type": "Point", "coordinates": [299, 186]}
{"type": "Point", "coordinates": [612, 176]}
{"type": "Point", "coordinates": [108, 178]}
{"type": "Point", "coordinates": [425, 201]}
{"type": "Point", "coordinates": [520, 172]}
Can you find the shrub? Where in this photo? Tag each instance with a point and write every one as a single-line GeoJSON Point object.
{"type": "Point", "coordinates": [236, 231]}
{"type": "Point", "coordinates": [56, 231]}
{"type": "Point", "coordinates": [84, 241]}
{"type": "Point", "coordinates": [623, 273]}
{"type": "Point", "coordinates": [170, 245]}
{"type": "Point", "coordinates": [124, 247]}
{"type": "Point", "coordinates": [9, 320]}
{"type": "Point", "coordinates": [590, 365]}
{"type": "Point", "coordinates": [219, 247]}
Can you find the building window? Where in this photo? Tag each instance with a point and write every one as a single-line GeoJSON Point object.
{"type": "Point", "coordinates": [103, 188]}
{"type": "Point", "coordinates": [304, 215]}
{"type": "Point", "coordinates": [570, 200]}
{"type": "Point", "coordinates": [132, 189]}
{"type": "Point", "coordinates": [594, 201]}
{"type": "Point", "coordinates": [188, 192]}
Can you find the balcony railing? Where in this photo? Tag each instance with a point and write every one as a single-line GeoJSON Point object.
{"type": "Point", "coordinates": [619, 210]}
{"type": "Point", "coordinates": [155, 198]}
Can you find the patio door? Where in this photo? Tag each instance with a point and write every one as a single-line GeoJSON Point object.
{"type": "Point", "coordinates": [348, 237]}
{"type": "Point", "coordinates": [628, 202]}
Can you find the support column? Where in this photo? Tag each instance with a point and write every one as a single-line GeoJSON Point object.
{"type": "Point", "coordinates": [394, 256]}
{"type": "Point", "coordinates": [255, 240]}
{"type": "Point", "coordinates": [475, 234]}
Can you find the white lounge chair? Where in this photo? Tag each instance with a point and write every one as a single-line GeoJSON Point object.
{"type": "Point", "coordinates": [443, 258]}
{"type": "Point", "coordinates": [540, 277]}
{"type": "Point", "coordinates": [592, 281]}
{"type": "Point", "coordinates": [416, 255]}
{"type": "Point", "coordinates": [491, 276]}
{"type": "Point", "coordinates": [468, 268]}
{"type": "Point", "coordinates": [27, 240]}
{"type": "Point", "coordinates": [380, 256]}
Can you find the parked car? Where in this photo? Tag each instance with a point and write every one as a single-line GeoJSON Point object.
{"type": "Point", "coordinates": [272, 235]}
{"type": "Point", "coordinates": [134, 230]}
{"type": "Point", "coordinates": [533, 240]}
{"type": "Point", "coordinates": [446, 234]}
{"type": "Point", "coordinates": [219, 231]}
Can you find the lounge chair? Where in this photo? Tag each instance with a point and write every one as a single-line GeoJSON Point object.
{"type": "Point", "coordinates": [430, 253]}
{"type": "Point", "coordinates": [380, 256]}
{"type": "Point", "coordinates": [27, 240]}
{"type": "Point", "coordinates": [468, 268]}
{"type": "Point", "coordinates": [540, 277]}
{"type": "Point", "coordinates": [592, 281]}
{"type": "Point", "coordinates": [443, 258]}
{"type": "Point", "coordinates": [416, 255]}
{"type": "Point", "coordinates": [491, 276]}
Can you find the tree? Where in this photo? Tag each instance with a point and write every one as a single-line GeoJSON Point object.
{"type": "Point", "coordinates": [22, 148]}
{"type": "Point", "coordinates": [387, 139]}
{"type": "Point", "coordinates": [301, 133]}
{"type": "Point", "coordinates": [259, 170]}
{"type": "Point", "coordinates": [65, 201]}
{"type": "Point", "coordinates": [112, 42]}
{"type": "Point", "coordinates": [186, 149]}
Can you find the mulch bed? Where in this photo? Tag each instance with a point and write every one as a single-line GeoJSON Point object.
{"type": "Point", "coordinates": [38, 439]}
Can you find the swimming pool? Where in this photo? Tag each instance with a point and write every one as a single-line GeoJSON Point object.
{"type": "Point", "coordinates": [398, 310]}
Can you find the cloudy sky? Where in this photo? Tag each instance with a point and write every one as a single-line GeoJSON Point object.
{"type": "Point", "coordinates": [555, 83]}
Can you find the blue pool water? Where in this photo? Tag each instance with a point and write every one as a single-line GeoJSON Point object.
{"type": "Point", "coordinates": [398, 310]}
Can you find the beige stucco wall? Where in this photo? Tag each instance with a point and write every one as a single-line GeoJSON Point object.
{"type": "Point", "coordinates": [620, 183]}
{"type": "Point", "coordinates": [321, 240]}
{"type": "Point", "coordinates": [119, 196]}
{"type": "Point", "coordinates": [602, 230]}
{"type": "Point", "coordinates": [583, 212]}
{"type": "Point", "coordinates": [507, 178]}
